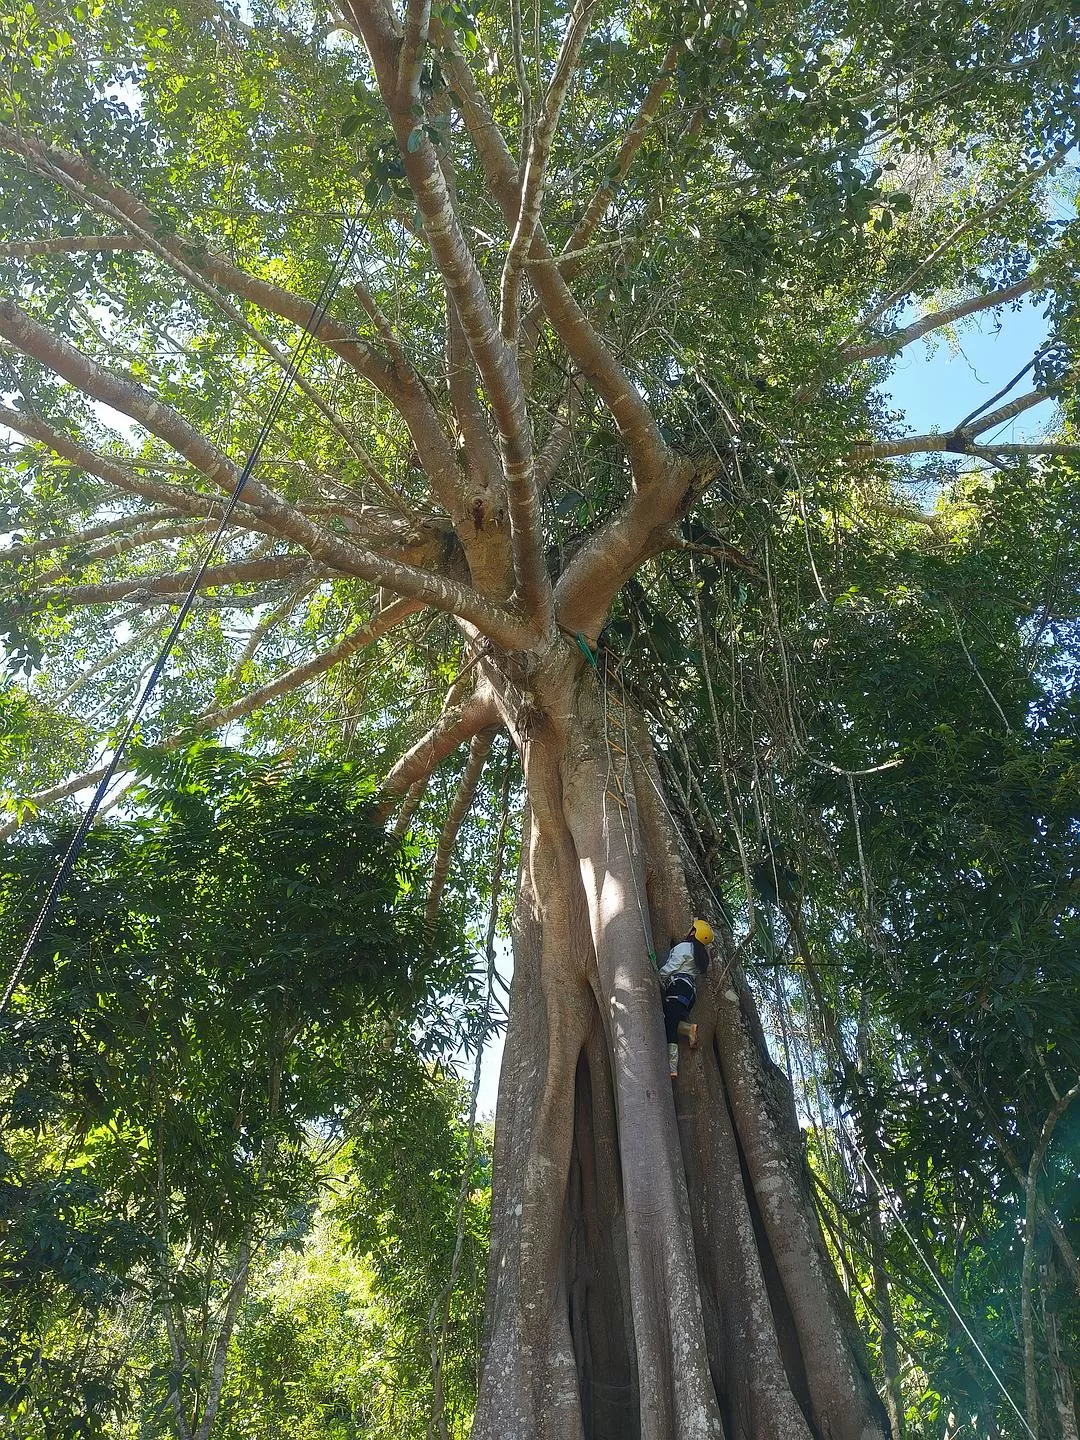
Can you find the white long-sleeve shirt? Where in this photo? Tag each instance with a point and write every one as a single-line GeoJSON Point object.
{"type": "Point", "coordinates": [680, 961]}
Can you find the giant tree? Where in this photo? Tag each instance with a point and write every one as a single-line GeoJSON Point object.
{"type": "Point", "coordinates": [617, 277]}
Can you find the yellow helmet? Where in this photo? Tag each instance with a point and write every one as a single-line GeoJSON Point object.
{"type": "Point", "coordinates": [703, 931]}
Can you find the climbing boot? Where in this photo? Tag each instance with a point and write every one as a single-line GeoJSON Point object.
{"type": "Point", "coordinates": [673, 1060]}
{"type": "Point", "coordinates": [689, 1032]}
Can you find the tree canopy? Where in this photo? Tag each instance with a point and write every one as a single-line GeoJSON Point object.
{"type": "Point", "coordinates": [593, 448]}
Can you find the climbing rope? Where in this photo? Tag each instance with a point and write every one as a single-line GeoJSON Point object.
{"type": "Point", "coordinates": [887, 1197]}
{"type": "Point", "coordinates": [67, 863]}
{"type": "Point", "coordinates": [857, 1157]}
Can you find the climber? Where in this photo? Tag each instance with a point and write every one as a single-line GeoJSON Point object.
{"type": "Point", "coordinates": [678, 984]}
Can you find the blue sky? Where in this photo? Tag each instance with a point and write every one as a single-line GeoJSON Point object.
{"type": "Point", "coordinates": [937, 383]}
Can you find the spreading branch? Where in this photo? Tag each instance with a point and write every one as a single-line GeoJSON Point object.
{"type": "Point", "coordinates": [494, 358]}
{"type": "Point", "coordinates": [140, 587]}
{"type": "Point", "coordinates": [664, 486]}
{"type": "Point", "coordinates": [573, 252]}
{"type": "Point", "coordinates": [277, 353]}
{"type": "Point", "coordinates": [591, 355]}
{"type": "Point", "coordinates": [534, 179]}
{"type": "Point", "coordinates": [457, 723]}
{"type": "Point", "coordinates": [347, 557]}
{"type": "Point", "coordinates": [380, 624]}
{"type": "Point", "coordinates": [116, 474]}
{"type": "Point", "coordinates": [963, 442]}
{"type": "Point", "coordinates": [479, 749]}
{"type": "Point", "coordinates": [937, 320]}
{"type": "Point", "coordinates": [965, 227]}
{"type": "Point", "coordinates": [140, 519]}
{"type": "Point", "coordinates": [398, 382]}
{"type": "Point", "coordinates": [123, 545]}
{"type": "Point", "coordinates": [219, 716]}
{"type": "Point", "coordinates": [67, 245]}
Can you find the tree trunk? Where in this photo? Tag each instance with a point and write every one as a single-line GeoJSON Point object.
{"type": "Point", "coordinates": [890, 1354]}
{"type": "Point", "coordinates": [656, 1268]}
{"type": "Point", "coordinates": [890, 1357]}
{"type": "Point", "coordinates": [1061, 1372]}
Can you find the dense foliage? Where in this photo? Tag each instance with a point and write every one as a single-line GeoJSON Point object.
{"type": "Point", "coordinates": [856, 648]}
{"type": "Point", "coordinates": [236, 1006]}
{"type": "Point", "coordinates": [901, 860]}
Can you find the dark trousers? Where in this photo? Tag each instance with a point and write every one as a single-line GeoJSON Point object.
{"type": "Point", "coordinates": [679, 996]}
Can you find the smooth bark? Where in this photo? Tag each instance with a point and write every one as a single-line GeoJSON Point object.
{"type": "Point", "coordinates": [656, 1268]}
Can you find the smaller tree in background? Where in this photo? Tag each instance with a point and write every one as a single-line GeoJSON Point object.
{"type": "Point", "coordinates": [336, 1339]}
{"type": "Point", "coordinates": [235, 983]}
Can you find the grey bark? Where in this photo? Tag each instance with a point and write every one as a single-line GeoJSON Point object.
{"type": "Point", "coordinates": [656, 1270]}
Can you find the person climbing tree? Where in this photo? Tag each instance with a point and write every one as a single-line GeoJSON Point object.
{"type": "Point", "coordinates": [678, 984]}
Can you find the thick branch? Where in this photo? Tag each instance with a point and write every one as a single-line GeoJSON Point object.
{"type": "Point", "coordinates": [140, 518]}
{"type": "Point", "coordinates": [1024, 448]}
{"type": "Point", "coordinates": [993, 418]}
{"type": "Point", "coordinates": [571, 259]}
{"type": "Point", "coordinates": [348, 557]}
{"type": "Point", "coordinates": [383, 622]}
{"type": "Point", "coordinates": [123, 545]}
{"type": "Point", "coordinates": [466, 293]}
{"type": "Point", "coordinates": [962, 442]}
{"type": "Point", "coordinates": [397, 382]}
{"type": "Point", "coordinates": [479, 749]}
{"type": "Point", "coordinates": [959, 232]}
{"type": "Point", "coordinates": [891, 344]}
{"type": "Point", "coordinates": [413, 43]}
{"type": "Point", "coordinates": [643, 527]}
{"type": "Point", "coordinates": [217, 717]}
{"type": "Point", "coordinates": [219, 600]}
{"type": "Point", "coordinates": [591, 355]}
{"type": "Point", "coordinates": [140, 587]}
{"type": "Point", "coordinates": [533, 181]}
{"type": "Point", "coordinates": [495, 360]}
{"type": "Point", "coordinates": [67, 245]}
{"type": "Point", "coordinates": [454, 726]}
{"type": "Point", "coordinates": [122, 394]}
{"type": "Point", "coordinates": [117, 475]}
